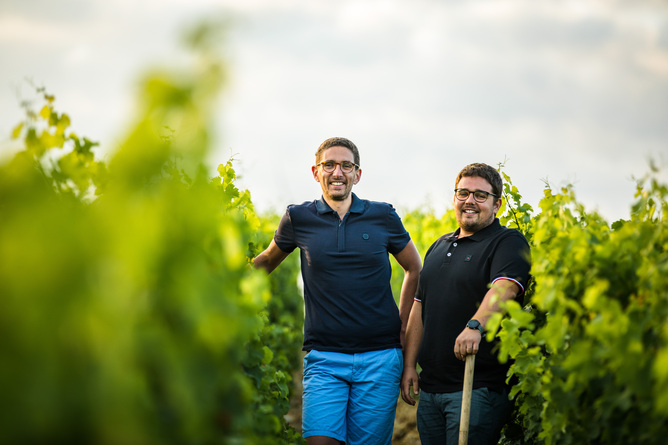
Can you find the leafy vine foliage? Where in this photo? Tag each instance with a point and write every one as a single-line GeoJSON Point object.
{"type": "Point", "coordinates": [590, 346]}
{"type": "Point", "coordinates": [130, 312]}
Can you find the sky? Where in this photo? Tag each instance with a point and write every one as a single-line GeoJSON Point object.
{"type": "Point", "coordinates": [568, 92]}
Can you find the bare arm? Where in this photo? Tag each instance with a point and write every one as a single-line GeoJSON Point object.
{"type": "Point", "coordinates": [409, 260]}
{"type": "Point", "coordinates": [270, 258]}
{"type": "Point", "coordinates": [413, 340]}
{"type": "Point", "coordinates": [501, 290]}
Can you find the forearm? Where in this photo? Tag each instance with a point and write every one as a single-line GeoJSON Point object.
{"type": "Point", "coordinates": [407, 296]}
{"type": "Point", "coordinates": [409, 377]}
{"type": "Point", "coordinates": [262, 262]}
{"type": "Point", "coordinates": [501, 291]}
{"type": "Point", "coordinates": [468, 341]}
{"type": "Point", "coordinates": [270, 258]}
{"type": "Point", "coordinates": [409, 260]}
{"type": "Point", "coordinates": [413, 336]}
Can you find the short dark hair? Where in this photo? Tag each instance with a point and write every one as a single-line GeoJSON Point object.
{"type": "Point", "coordinates": [487, 172]}
{"type": "Point", "coordinates": [337, 142]}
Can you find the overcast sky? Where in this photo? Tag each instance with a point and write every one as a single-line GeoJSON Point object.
{"type": "Point", "coordinates": [568, 91]}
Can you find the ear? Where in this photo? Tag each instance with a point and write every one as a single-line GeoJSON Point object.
{"type": "Point", "coordinates": [358, 175]}
{"type": "Point", "coordinates": [497, 205]}
{"type": "Point", "coordinates": [316, 175]}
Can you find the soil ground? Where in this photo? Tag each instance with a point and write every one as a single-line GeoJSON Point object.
{"type": "Point", "coordinates": [405, 430]}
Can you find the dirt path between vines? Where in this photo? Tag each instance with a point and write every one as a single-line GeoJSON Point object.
{"type": "Point", "coordinates": [405, 431]}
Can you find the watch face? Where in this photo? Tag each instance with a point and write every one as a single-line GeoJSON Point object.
{"type": "Point", "coordinates": [474, 324]}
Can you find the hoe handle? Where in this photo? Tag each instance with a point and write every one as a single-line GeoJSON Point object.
{"type": "Point", "coordinates": [466, 400]}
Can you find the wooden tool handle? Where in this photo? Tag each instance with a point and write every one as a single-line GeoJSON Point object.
{"type": "Point", "coordinates": [466, 400]}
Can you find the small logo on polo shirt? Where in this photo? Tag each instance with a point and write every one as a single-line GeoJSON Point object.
{"type": "Point", "coordinates": [468, 258]}
{"type": "Point", "coordinates": [365, 236]}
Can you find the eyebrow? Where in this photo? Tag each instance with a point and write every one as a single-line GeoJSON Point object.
{"type": "Point", "coordinates": [473, 191]}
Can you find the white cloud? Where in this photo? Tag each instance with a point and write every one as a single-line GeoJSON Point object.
{"type": "Point", "coordinates": [572, 91]}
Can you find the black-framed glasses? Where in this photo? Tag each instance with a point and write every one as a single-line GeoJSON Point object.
{"type": "Point", "coordinates": [478, 195]}
{"type": "Point", "coordinates": [346, 167]}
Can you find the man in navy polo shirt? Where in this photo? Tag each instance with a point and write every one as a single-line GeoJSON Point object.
{"type": "Point", "coordinates": [466, 275]}
{"type": "Point", "coordinates": [353, 330]}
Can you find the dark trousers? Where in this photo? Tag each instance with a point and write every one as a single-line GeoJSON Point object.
{"type": "Point", "coordinates": [438, 417]}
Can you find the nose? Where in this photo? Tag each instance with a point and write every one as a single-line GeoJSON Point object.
{"type": "Point", "coordinates": [338, 171]}
{"type": "Point", "coordinates": [470, 196]}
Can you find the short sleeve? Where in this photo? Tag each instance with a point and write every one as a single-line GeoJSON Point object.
{"type": "Point", "coordinates": [420, 294]}
{"type": "Point", "coordinates": [284, 237]}
{"type": "Point", "coordinates": [398, 237]}
{"type": "Point", "coordinates": [512, 260]}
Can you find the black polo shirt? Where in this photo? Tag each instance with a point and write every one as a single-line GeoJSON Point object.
{"type": "Point", "coordinates": [456, 275]}
{"type": "Point", "coordinates": [346, 269]}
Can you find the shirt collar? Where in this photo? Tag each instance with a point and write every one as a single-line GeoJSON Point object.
{"type": "Point", "coordinates": [357, 206]}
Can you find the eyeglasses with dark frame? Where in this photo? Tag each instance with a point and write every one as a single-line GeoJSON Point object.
{"type": "Point", "coordinates": [478, 195]}
{"type": "Point", "coordinates": [346, 166]}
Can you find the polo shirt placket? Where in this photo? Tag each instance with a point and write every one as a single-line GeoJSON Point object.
{"type": "Point", "coordinates": [357, 207]}
{"type": "Point", "coordinates": [451, 250]}
{"type": "Point", "coordinates": [341, 233]}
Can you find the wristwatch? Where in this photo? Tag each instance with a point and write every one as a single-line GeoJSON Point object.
{"type": "Point", "coordinates": [475, 324]}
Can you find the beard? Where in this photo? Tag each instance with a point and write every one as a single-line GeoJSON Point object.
{"type": "Point", "coordinates": [473, 225]}
{"type": "Point", "coordinates": [340, 195]}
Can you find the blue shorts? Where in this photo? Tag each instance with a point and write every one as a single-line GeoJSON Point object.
{"type": "Point", "coordinates": [351, 397]}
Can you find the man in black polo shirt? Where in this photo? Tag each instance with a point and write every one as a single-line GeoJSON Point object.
{"type": "Point", "coordinates": [466, 275]}
{"type": "Point", "coordinates": [353, 331]}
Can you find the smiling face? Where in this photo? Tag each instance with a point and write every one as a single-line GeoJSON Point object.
{"type": "Point", "coordinates": [337, 185]}
{"type": "Point", "coordinates": [473, 216]}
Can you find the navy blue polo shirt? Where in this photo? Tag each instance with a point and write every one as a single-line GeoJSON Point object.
{"type": "Point", "coordinates": [455, 277]}
{"type": "Point", "coordinates": [346, 270]}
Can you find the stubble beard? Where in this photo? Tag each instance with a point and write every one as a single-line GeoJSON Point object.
{"type": "Point", "coordinates": [472, 226]}
{"type": "Point", "coordinates": [341, 195]}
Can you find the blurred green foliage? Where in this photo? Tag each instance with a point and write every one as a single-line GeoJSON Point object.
{"type": "Point", "coordinates": [130, 312]}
